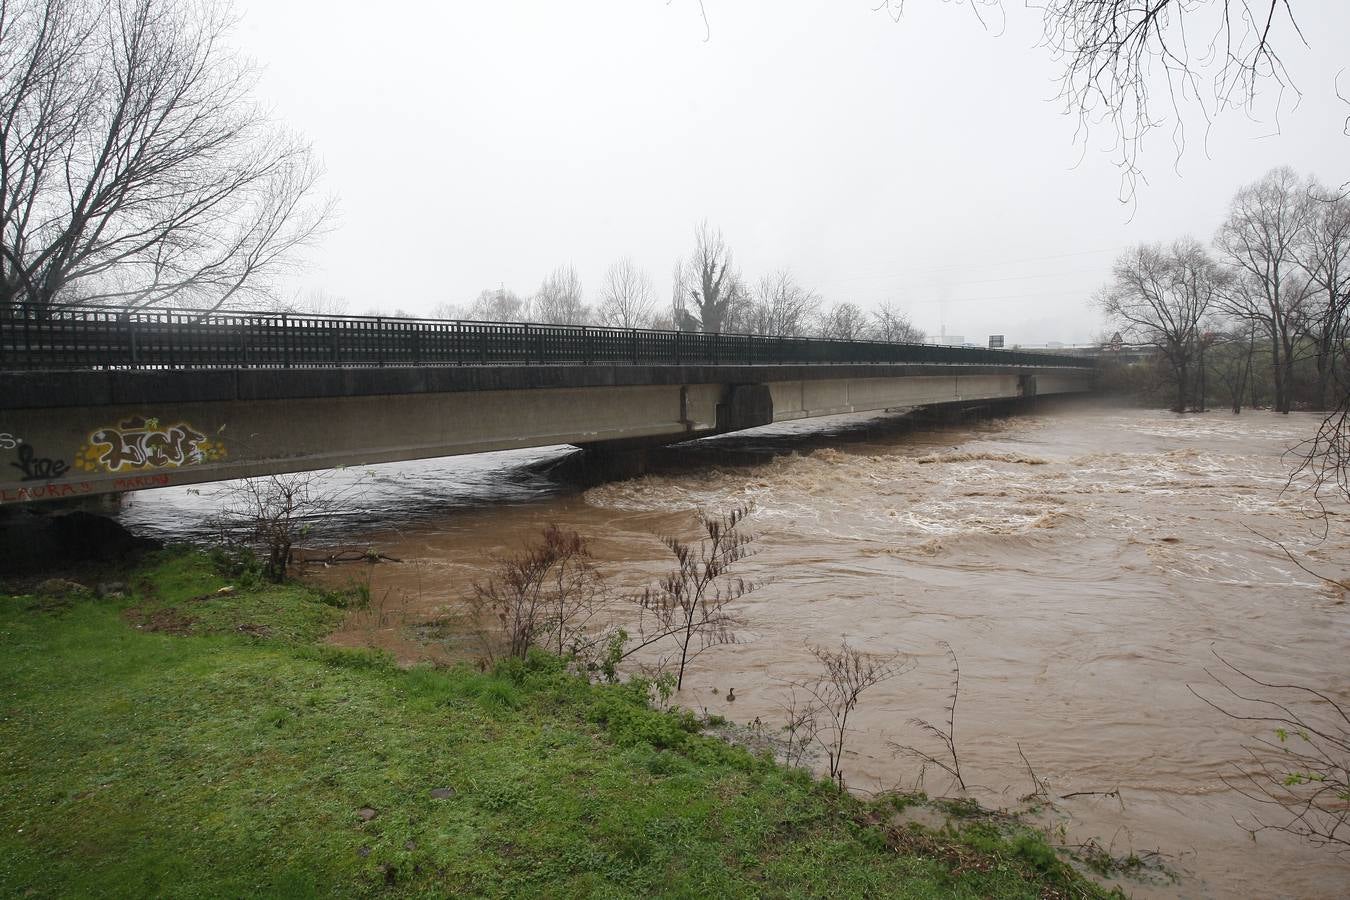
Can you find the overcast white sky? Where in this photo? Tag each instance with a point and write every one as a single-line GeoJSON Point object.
{"type": "Point", "coordinates": [924, 161]}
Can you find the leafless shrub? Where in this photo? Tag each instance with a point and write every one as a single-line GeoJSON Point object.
{"type": "Point", "coordinates": [270, 514]}
{"type": "Point", "coordinates": [690, 606]}
{"type": "Point", "coordinates": [1040, 788]}
{"type": "Point", "coordinates": [800, 727]}
{"type": "Point", "coordinates": [831, 698]}
{"type": "Point", "coordinates": [1301, 772]}
{"type": "Point", "coordinates": [949, 760]}
{"type": "Point", "coordinates": [548, 595]}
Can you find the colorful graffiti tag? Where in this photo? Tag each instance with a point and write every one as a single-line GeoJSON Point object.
{"type": "Point", "coordinates": [142, 443]}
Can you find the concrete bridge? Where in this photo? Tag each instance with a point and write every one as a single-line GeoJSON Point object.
{"type": "Point", "coordinates": [102, 401]}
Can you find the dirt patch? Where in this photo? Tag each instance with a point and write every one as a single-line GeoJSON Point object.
{"type": "Point", "coordinates": [166, 619]}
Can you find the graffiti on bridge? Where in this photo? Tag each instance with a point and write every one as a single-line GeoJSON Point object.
{"type": "Point", "coordinates": [39, 468]}
{"type": "Point", "coordinates": [141, 443]}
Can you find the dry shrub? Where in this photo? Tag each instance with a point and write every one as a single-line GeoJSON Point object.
{"type": "Point", "coordinates": [690, 606]}
{"type": "Point", "coordinates": [548, 595]}
{"type": "Point", "coordinates": [820, 713]}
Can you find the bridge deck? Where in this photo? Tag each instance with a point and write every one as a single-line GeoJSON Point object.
{"type": "Point", "coordinates": [97, 403]}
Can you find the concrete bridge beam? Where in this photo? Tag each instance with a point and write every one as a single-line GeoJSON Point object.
{"type": "Point", "coordinates": [72, 449]}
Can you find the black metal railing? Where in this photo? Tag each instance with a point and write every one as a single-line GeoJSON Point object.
{"type": "Point", "coordinates": [114, 338]}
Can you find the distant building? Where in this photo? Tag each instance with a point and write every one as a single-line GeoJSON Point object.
{"type": "Point", "coordinates": [949, 340]}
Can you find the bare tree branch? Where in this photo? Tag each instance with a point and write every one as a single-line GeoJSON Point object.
{"type": "Point", "coordinates": [134, 167]}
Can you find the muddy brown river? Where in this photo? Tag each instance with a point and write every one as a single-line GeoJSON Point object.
{"type": "Point", "coordinates": [1085, 566]}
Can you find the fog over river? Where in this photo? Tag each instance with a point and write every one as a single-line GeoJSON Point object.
{"type": "Point", "coordinates": [1084, 564]}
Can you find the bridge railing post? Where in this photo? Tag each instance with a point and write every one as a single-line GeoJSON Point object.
{"type": "Point", "coordinates": [130, 321]}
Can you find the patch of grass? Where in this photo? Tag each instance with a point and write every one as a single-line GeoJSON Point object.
{"type": "Point", "coordinates": [188, 593]}
{"type": "Point", "coordinates": [217, 762]}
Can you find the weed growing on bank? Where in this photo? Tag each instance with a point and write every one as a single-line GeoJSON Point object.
{"type": "Point", "coordinates": [187, 740]}
{"type": "Point", "coordinates": [551, 594]}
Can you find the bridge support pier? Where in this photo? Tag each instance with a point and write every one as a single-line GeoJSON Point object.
{"type": "Point", "coordinates": [613, 461]}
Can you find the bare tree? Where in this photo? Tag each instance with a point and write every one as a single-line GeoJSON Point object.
{"type": "Point", "coordinates": [1262, 238]}
{"type": "Point", "coordinates": [1325, 257]}
{"type": "Point", "coordinates": [316, 302]}
{"type": "Point", "coordinates": [447, 309]}
{"type": "Point", "coordinates": [891, 324]}
{"type": "Point", "coordinates": [627, 297]}
{"type": "Point", "coordinates": [134, 167]}
{"type": "Point", "coordinates": [1231, 360]}
{"type": "Point", "coordinates": [500, 305]}
{"type": "Point", "coordinates": [1159, 296]}
{"type": "Point", "coordinates": [845, 322]}
{"type": "Point", "coordinates": [559, 299]}
{"type": "Point", "coordinates": [708, 293]}
{"type": "Point", "coordinates": [781, 307]}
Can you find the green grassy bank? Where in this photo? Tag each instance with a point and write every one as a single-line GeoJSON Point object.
{"type": "Point", "coordinates": [176, 741]}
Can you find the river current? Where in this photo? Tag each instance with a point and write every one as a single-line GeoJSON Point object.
{"type": "Point", "coordinates": [1088, 568]}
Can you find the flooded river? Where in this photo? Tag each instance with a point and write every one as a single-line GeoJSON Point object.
{"type": "Point", "coordinates": [1084, 565]}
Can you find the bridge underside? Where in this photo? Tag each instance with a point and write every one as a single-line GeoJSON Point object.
{"type": "Point", "coordinates": [94, 433]}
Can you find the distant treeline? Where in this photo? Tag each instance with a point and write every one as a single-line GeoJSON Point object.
{"type": "Point", "coordinates": [1259, 317]}
{"type": "Point", "coordinates": [708, 293]}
